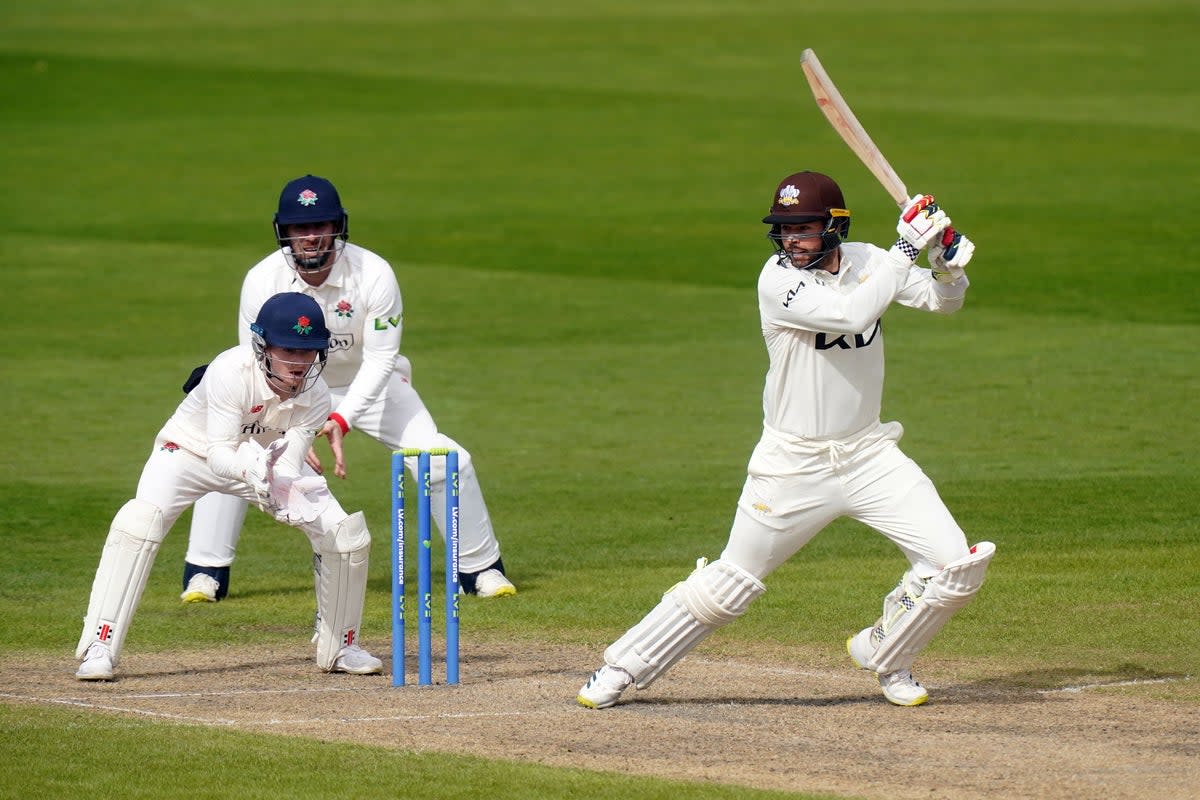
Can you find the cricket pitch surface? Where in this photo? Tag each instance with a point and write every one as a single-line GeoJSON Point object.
{"type": "Point", "coordinates": [784, 721]}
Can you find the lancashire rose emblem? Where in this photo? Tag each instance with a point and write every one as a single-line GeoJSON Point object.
{"type": "Point", "coordinates": [303, 326]}
{"type": "Point", "coordinates": [344, 309]}
{"type": "Point", "coordinates": [308, 198]}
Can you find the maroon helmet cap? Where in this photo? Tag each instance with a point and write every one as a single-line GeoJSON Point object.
{"type": "Point", "coordinates": [805, 196]}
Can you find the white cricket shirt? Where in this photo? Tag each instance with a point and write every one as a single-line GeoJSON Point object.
{"type": "Point", "coordinates": [363, 311]}
{"type": "Point", "coordinates": [824, 337]}
{"type": "Point", "coordinates": [234, 404]}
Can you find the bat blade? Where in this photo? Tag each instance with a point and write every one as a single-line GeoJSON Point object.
{"type": "Point", "coordinates": [835, 109]}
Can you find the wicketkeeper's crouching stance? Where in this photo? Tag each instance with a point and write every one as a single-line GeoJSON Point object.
{"type": "Point", "coordinates": [243, 430]}
{"type": "Point", "coordinates": [824, 453]}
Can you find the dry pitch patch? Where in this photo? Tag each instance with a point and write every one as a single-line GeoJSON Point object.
{"type": "Point", "coordinates": [768, 724]}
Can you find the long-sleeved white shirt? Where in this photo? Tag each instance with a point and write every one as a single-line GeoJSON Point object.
{"type": "Point", "coordinates": [234, 404]}
{"type": "Point", "coordinates": [363, 311]}
{"type": "Point", "coordinates": [824, 337]}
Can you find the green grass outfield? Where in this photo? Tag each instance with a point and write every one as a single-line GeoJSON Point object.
{"type": "Point", "coordinates": [570, 195]}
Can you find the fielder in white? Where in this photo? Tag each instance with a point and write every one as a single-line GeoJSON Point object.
{"type": "Point", "coordinates": [824, 453]}
{"type": "Point", "coordinates": [243, 430]}
{"type": "Point", "coordinates": [369, 379]}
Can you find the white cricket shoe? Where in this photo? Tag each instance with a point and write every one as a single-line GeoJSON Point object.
{"type": "Point", "coordinates": [861, 648]}
{"type": "Point", "coordinates": [899, 687]}
{"type": "Point", "coordinates": [604, 687]}
{"type": "Point", "coordinates": [493, 583]}
{"type": "Point", "coordinates": [201, 588]}
{"type": "Point", "coordinates": [356, 661]}
{"type": "Point", "coordinates": [97, 663]}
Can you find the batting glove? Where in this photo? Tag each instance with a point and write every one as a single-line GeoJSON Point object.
{"type": "Point", "coordinates": [949, 255]}
{"type": "Point", "coordinates": [921, 222]}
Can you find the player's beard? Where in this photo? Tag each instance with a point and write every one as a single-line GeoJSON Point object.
{"type": "Point", "coordinates": [314, 260]}
{"type": "Point", "coordinates": [802, 259]}
{"type": "Point", "coordinates": [810, 259]}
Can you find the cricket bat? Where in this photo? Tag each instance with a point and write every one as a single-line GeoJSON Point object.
{"type": "Point", "coordinates": [830, 101]}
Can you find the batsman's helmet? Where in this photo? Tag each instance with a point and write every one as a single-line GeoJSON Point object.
{"type": "Point", "coordinates": [307, 200]}
{"type": "Point", "coordinates": [809, 197]}
{"type": "Point", "coordinates": [293, 321]}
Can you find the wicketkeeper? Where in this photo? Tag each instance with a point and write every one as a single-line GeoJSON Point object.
{"type": "Point", "coordinates": [370, 382]}
{"type": "Point", "coordinates": [243, 430]}
{"type": "Point", "coordinates": [824, 453]}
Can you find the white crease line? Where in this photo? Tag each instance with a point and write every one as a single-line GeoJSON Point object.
{"type": "Point", "coordinates": [101, 707]}
{"type": "Point", "coordinates": [402, 718]}
{"type": "Point", "coordinates": [231, 693]}
{"type": "Point", "coordinates": [1134, 682]}
{"type": "Point", "coordinates": [219, 721]}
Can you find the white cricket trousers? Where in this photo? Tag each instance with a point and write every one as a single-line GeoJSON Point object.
{"type": "Point", "coordinates": [796, 487]}
{"type": "Point", "coordinates": [397, 420]}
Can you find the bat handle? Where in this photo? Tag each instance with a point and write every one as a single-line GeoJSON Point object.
{"type": "Point", "coordinates": [925, 202]}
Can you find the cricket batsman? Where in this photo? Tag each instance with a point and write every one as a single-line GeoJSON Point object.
{"type": "Point", "coordinates": [824, 453]}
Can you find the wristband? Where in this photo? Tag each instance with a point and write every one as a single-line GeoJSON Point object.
{"type": "Point", "coordinates": [341, 423]}
{"type": "Point", "coordinates": [907, 248]}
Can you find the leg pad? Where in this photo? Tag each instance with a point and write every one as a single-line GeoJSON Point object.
{"type": "Point", "coordinates": [341, 581]}
{"type": "Point", "coordinates": [711, 596]}
{"type": "Point", "coordinates": [129, 551]}
{"type": "Point", "coordinates": [913, 614]}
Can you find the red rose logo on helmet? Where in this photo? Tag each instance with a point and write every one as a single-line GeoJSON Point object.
{"type": "Point", "coordinates": [788, 195]}
{"type": "Point", "coordinates": [307, 198]}
{"type": "Point", "coordinates": [344, 309]}
{"type": "Point", "coordinates": [303, 326]}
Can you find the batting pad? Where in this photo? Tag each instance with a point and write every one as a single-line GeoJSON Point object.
{"type": "Point", "coordinates": [341, 586]}
{"type": "Point", "coordinates": [712, 595]}
{"type": "Point", "coordinates": [945, 593]}
{"type": "Point", "coordinates": [133, 540]}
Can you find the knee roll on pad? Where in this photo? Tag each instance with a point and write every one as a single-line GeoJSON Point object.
{"type": "Point", "coordinates": [129, 551]}
{"type": "Point", "coordinates": [348, 536]}
{"type": "Point", "coordinates": [914, 620]}
{"type": "Point", "coordinates": [718, 592]}
{"type": "Point", "coordinates": [341, 578]}
{"type": "Point", "coordinates": [711, 596]}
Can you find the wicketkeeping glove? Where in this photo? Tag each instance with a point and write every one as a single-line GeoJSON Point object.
{"type": "Point", "coordinates": [297, 500]}
{"type": "Point", "coordinates": [949, 255]}
{"type": "Point", "coordinates": [256, 464]}
{"type": "Point", "coordinates": [921, 222]}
